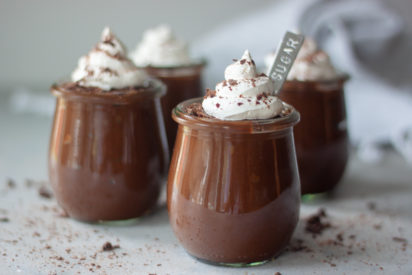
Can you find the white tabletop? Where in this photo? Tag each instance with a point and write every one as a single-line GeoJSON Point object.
{"type": "Point", "coordinates": [371, 209]}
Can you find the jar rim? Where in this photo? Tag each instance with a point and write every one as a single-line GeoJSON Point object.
{"type": "Point", "coordinates": [152, 87]}
{"type": "Point", "coordinates": [244, 126]}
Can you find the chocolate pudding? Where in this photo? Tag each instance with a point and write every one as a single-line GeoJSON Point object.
{"type": "Point", "coordinates": [233, 189]}
{"type": "Point", "coordinates": [321, 138]}
{"type": "Point", "coordinates": [315, 89]}
{"type": "Point", "coordinates": [167, 58]}
{"type": "Point", "coordinates": [182, 83]}
{"type": "Point", "coordinates": [106, 153]}
{"type": "Point", "coordinates": [233, 185]}
{"type": "Point", "coordinates": [108, 149]}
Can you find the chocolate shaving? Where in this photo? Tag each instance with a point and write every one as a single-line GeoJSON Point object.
{"type": "Point", "coordinates": [239, 104]}
{"type": "Point", "coordinates": [315, 224]}
{"type": "Point", "coordinates": [44, 192]}
{"type": "Point", "coordinates": [109, 41]}
{"type": "Point", "coordinates": [11, 184]}
{"type": "Point", "coordinates": [242, 61]}
{"type": "Point", "coordinates": [297, 245]}
{"type": "Point", "coordinates": [217, 105]}
{"type": "Point", "coordinates": [110, 71]}
{"type": "Point", "coordinates": [232, 82]}
{"type": "Point", "coordinates": [196, 109]}
{"type": "Point", "coordinates": [400, 240]}
{"type": "Point", "coordinates": [109, 247]}
{"type": "Point", "coordinates": [235, 60]}
{"type": "Point", "coordinates": [210, 93]}
{"type": "Point", "coordinates": [371, 206]}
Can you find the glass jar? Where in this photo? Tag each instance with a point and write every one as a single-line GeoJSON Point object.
{"type": "Point", "coordinates": [321, 137]}
{"type": "Point", "coordinates": [108, 151]}
{"type": "Point", "coordinates": [182, 83]}
{"type": "Point", "coordinates": [233, 187]}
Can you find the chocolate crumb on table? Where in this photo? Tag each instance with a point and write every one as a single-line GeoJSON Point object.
{"type": "Point", "coordinates": [297, 245]}
{"type": "Point", "coordinates": [400, 240]}
{"type": "Point", "coordinates": [315, 223]}
{"type": "Point", "coordinates": [109, 247]}
{"type": "Point", "coordinates": [339, 237]}
{"type": "Point", "coordinates": [371, 206]}
{"type": "Point", "coordinates": [44, 192]}
{"type": "Point", "coordinates": [11, 184]}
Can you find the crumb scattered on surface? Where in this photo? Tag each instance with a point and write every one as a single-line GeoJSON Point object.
{"type": "Point", "coordinates": [44, 192]}
{"type": "Point", "coordinates": [315, 224]}
{"type": "Point", "coordinates": [371, 205]}
{"type": "Point", "coordinates": [11, 184]}
{"type": "Point", "coordinates": [109, 247]}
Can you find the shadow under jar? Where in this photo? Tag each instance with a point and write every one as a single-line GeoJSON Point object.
{"type": "Point", "coordinates": [233, 188]}
{"type": "Point", "coordinates": [321, 137]}
{"type": "Point", "coordinates": [182, 82]}
{"type": "Point", "coordinates": [107, 151]}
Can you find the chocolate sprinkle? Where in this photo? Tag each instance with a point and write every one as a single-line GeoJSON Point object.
{"type": "Point", "coordinates": [400, 240]}
{"type": "Point", "coordinates": [44, 192]}
{"type": "Point", "coordinates": [315, 225]}
{"type": "Point", "coordinates": [210, 93]}
{"type": "Point", "coordinates": [109, 247]}
{"type": "Point", "coordinates": [232, 82]}
{"type": "Point", "coordinates": [196, 109]}
{"type": "Point", "coordinates": [11, 184]}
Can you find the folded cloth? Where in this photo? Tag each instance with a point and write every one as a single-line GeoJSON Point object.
{"type": "Point", "coordinates": [363, 38]}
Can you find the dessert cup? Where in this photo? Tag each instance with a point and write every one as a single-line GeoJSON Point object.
{"type": "Point", "coordinates": [233, 187]}
{"type": "Point", "coordinates": [108, 151]}
{"type": "Point", "coordinates": [182, 82]}
{"type": "Point", "coordinates": [321, 138]}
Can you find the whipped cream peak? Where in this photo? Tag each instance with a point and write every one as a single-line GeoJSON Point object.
{"type": "Point", "coordinates": [244, 68]}
{"type": "Point", "coordinates": [110, 44]}
{"type": "Point", "coordinates": [311, 64]}
{"type": "Point", "coordinates": [243, 94]}
{"type": "Point", "coordinates": [107, 67]}
{"type": "Point", "coordinates": [160, 48]}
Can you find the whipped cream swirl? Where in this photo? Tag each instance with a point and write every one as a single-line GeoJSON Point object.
{"type": "Point", "coordinates": [311, 64]}
{"type": "Point", "coordinates": [160, 48]}
{"type": "Point", "coordinates": [107, 67]}
{"type": "Point", "coordinates": [243, 94]}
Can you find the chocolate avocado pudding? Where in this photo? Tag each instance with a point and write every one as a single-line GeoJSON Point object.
{"type": "Point", "coordinates": [107, 148]}
{"type": "Point", "coordinates": [233, 186]}
{"type": "Point", "coordinates": [165, 57]}
{"type": "Point", "coordinates": [316, 90]}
